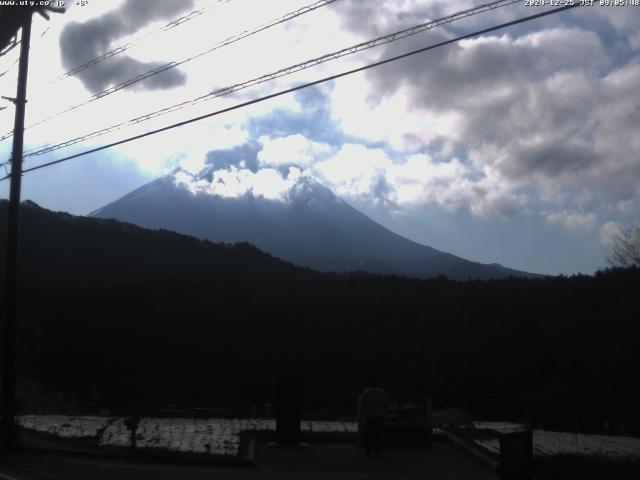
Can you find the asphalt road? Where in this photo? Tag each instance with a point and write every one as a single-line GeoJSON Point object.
{"type": "Point", "coordinates": [318, 461]}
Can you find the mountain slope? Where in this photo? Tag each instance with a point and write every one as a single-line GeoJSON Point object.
{"type": "Point", "coordinates": [311, 228]}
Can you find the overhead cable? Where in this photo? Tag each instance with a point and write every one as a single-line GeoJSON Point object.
{"type": "Point", "coordinates": [306, 85]}
{"type": "Point", "coordinates": [392, 37]}
{"type": "Point", "coordinates": [168, 66]}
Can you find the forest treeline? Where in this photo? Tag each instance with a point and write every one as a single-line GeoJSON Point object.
{"type": "Point", "coordinates": [155, 317]}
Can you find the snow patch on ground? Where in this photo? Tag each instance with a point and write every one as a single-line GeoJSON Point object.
{"type": "Point", "coordinates": [216, 436]}
{"type": "Point", "coordinates": [329, 426]}
{"type": "Point", "coordinates": [63, 425]}
{"type": "Point", "coordinates": [499, 427]}
{"type": "Point", "coordinates": [546, 443]}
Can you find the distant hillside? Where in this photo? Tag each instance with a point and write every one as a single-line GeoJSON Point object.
{"type": "Point", "coordinates": [61, 250]}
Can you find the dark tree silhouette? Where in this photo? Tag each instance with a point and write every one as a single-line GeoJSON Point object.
{"type": "Point", "coordinates": [155, 317]}
{"type": "Point", "coordinates": [624, 246]}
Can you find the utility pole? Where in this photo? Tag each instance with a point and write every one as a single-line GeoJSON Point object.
{"type": "Point", "coordinates": [7, 407]}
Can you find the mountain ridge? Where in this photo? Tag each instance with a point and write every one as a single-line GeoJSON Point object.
{"type": "Point", "coordinates": [312, 228]}
{"type": "Point", "coordinates": [63, 251]}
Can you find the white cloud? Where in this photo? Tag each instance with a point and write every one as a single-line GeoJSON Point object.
{"type": "Point", "coordinates": [237, 182]}
{"type": "Point", "coordinates": [158, 154]}
{"type": "Point", "coordinates": [572, 220]}
{"type": "Point", "coordinates": [389, 118]}
{"type": "Point", "coordinates": [354, 170]}
{"type": "Point", "coordinates": [368, 174]}
{"type": "Point", "coordinates": [291, 150]}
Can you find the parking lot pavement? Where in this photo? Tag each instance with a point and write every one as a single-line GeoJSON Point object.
{"type": "Point", "coordinates": [322, 460]}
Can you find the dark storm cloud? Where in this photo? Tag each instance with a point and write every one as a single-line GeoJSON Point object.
{"type": "Point", "coordinates": [356, 15]}
{"type": "Point", "coordinates": [499, 85]}
{"type": "Point", "coordinates": [551, 159]}
{"type": "Point", "coordinates": [81, 42]}
{"type": "Point", "coordinates": [462, 76]}
{"type": "Point", "coordinates": [120, 69]}
{"type": "Point", "coordinates": [376, 18]}
{"type": "Point", "coordinates": [543, 107]}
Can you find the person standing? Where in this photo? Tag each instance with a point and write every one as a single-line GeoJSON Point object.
{"type": "Point", "coordinates": [372, 406]}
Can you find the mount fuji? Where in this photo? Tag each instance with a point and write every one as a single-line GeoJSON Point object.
{"type": "Point", "coordinates": [309, 226]}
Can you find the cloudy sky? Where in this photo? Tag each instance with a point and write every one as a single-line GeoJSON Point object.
{"type": "Point", "coordinates": [518, 147]}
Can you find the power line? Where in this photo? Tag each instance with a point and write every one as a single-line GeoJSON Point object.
{"type": "Point", "coordinates": [306, 85]}
{"type": "Point", "coordinates": [13, 45]}
{"type": "Point", "coordinates": [168, 66]}
{"type": "Point", "coordinates": [15, 62]}
{"type": "Point", "coordinates": [283, 72]}
{"type": "Point", "coordinates": [126, 46]}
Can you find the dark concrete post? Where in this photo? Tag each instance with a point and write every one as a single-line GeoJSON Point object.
{"type": "Point", "coordinates": [516, 454]}
{"type": "Point", "coordinates": [428, 419]}
{"type": "Point", "coordinates": [132, 424]}
{"type": "Point", "coordinates": [288, 408]}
